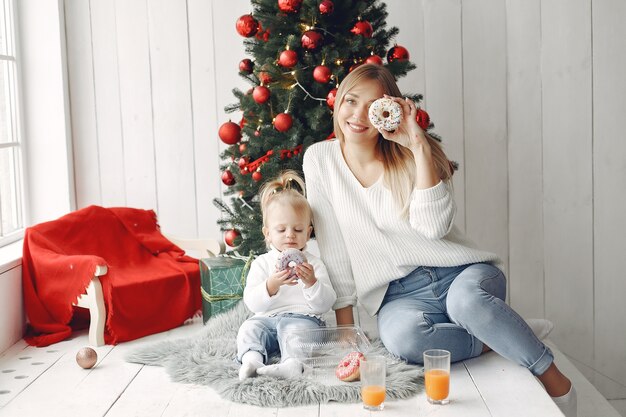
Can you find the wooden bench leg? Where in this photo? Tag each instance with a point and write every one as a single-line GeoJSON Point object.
{"type": "Point", "coordinates": [97, 312]}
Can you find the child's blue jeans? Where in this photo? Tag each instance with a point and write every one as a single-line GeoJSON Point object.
{"type": "Point", "coordinates": [266, 334]}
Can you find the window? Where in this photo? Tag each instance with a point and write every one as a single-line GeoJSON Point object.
{"type": "Point", "coordinates": [11, 184]}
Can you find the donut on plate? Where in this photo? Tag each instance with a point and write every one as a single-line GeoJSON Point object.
{"type": "Point", "coordinates": [289, 259]}
{"type": "Point", "coordinates": [386, 114]}
{"type": "Point", "coordinates": [349, 369]}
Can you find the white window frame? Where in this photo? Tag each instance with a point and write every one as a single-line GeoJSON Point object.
{"type": "Point", "coordinates": [15, 121]}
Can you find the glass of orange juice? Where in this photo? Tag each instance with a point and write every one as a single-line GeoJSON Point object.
{"type": "Point", "coordinates": [437, 375]}
{"type": "Point", "coordinates": [373, 373]}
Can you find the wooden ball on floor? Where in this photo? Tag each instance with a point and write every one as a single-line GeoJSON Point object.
{"type": "Point", "coordinates": [86, 358]}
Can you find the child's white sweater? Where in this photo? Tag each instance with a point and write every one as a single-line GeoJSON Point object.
{"type": "Point", "coordinates": [315, 300]}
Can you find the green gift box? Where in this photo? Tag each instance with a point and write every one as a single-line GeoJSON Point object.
{"type": "Point", "coordinates": [223, 280]}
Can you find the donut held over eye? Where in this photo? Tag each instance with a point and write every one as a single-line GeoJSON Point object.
{"type": "Point", "coordinates": [289, 259]}
{"type": "Point", "coordinates": [386, 114]}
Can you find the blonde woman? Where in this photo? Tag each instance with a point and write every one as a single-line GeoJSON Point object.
{"type": "Point", "coordinates": [383, 212]}
{"type": "Point", "coordinates": [281, 301]}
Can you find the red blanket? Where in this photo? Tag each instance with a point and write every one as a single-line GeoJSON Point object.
{"type": "Point", "coordinates": [150, 286]}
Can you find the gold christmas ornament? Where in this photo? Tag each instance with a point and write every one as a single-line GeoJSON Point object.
{"type": "Point", "coordinates": [86, 358]}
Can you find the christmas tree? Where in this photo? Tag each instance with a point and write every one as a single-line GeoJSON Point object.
{"type": "Point", "coordinates": [300, 51]}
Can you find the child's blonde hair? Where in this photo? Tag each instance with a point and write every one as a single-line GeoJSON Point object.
{"type": "Point", "coordinates": [287, 188]}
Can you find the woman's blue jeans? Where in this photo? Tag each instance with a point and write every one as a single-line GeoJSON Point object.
{"type": "Point", "coordinates": [457, 309]}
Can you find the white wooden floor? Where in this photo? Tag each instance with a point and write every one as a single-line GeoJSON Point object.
{"type": "Point", "coordinates": [48, 382]}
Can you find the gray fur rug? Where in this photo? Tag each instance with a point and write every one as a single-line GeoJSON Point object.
{"type": "Point", "coordinates": [208, 358]}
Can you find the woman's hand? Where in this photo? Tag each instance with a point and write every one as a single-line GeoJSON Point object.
{"type": "Point", "coordinates": [306, 273]}
{"type": "Point", "coordinates": [278, 279]}
{"type": "Point", "coordinates": [408, 134]}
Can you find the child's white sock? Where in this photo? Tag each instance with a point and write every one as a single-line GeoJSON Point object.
{"type": "Point", "coordinates": [250, 362]}
{"type": "Point", "coordinates": [540, 327]}
{"type": "Point", "coordinates": [291, 368]}
{"type": "Point", "coordinates": [568, 403]}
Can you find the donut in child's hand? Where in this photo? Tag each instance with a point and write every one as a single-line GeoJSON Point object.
{"type": "Point", "coordinates": [386, 114]}
{"type": "Point", "coordinates": [289, 259]}
{"type": "Point", "coordinates": [349, 369]}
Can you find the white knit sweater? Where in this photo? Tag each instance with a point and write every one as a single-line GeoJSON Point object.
{"type": "Point", "coordinates": [362, 239]}
{"type": "Point", "coordinates": [315, 300]}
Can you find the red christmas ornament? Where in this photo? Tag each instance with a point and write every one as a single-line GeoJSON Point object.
{"type": "Point", "coordinates": [322, 74]}
{"type": "Point", "coordinates": [265, 77]}
{"type": "Point", "coordinates": [423, 119]}
{"type": "Point", "coordinates": [257, 133]}
{"type": "Point", "coordinates": [289, 6]}
{"type": "Point", "coordinates": [330, 98]}
{"type": "Point", "coordinates": [230, 133]}
{"type": "Point", "coordinates": [397, 53]}
{"type": "Point", "coordinates": [288, 58]}
{"type": "Point", "coordinates": [363, 28]}
{"type": "Point", "coordinates": [242, 122]}
{"type": "Point", "coordinates": [256, 176]}
{"type": "Point", "coordinates": [232, 237]}
{"type": "Point", "coordinates": [243, 161]}
{"type": "Point", "coordinates": [228, 178]}
{"type": "Point", "coordinates": [243, 147]}
{"type": "Point", "coordinates": [283, 122]}
{"type": "Point", "coordinates": [312, 40]}
{"type": "Point", "coordinates": [327, 7]}
{"type": "Point", "coordinates": [247, 25]}
{"type": "Point", "coordinates": [261, 94]}
{"type": "Point", "coordinates": [246, 66]}
{"type": "Point", "coordinates": [374, 59]}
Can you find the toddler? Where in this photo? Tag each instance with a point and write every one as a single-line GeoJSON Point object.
{"type": "Point", "coordinates": [282, 302]}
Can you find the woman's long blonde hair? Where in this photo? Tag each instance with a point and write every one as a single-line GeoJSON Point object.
{"type": "Point", "coordinates": [287, 188]}
{"type": "Point", "coordinates": [397, 160]}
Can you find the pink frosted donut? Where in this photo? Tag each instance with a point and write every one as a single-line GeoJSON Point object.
{"type": "Point", "coordinates": [385, 113]}
{"type": "Point", "coordinates": [289, 259]}
{"type": "Point", "coordinates": [349, 369]}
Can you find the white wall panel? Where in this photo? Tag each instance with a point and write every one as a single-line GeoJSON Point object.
{"type": "Point", "coordinates": [135, 93]}
{"type": "Point", "coordinates": [171, 106]}
{"type": "Point", "coordinates": [443, 64]}
{"type": "Point", "coordinates": [403, 16]}
{"type": "Point", "coordinates": [203, 93]}
{"type": "Point", "coordinates": [484, 97]}
{"type": "Point", "coordinates": [526, 280]}
{"type": "Point", "coordinates": [609, 184]}
{"type": "Point", "coordinates": [567, 173]}
{"type": "Point", "coordinates": [107, 91]}
{"type": "Point", "coordinates": [82, 103]}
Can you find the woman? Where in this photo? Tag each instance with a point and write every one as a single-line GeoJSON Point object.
{"type": "Point", "coordinates": [383, 213]}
